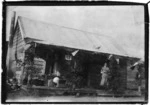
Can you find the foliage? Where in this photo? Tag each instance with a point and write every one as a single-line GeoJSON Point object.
{"type": "Point", "coordinates": [28, 62]}
{"type": "Point", "coordinates": [74, 75]}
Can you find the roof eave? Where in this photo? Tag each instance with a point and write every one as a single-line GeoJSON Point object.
{"type": "Point", "coordinates": [21, 28]}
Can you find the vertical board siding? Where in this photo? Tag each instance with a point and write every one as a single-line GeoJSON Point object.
{"type": "Point", "coordinates": [123, 73]}
{"type": "Point", "coordinates": [18, 42]}
{"type": "Point", "coordinates": [18, 46]}
{"type": "Point", "coordinates": [40, 64]}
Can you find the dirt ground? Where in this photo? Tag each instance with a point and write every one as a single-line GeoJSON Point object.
{"type": "Point", "coordinates": [23, 96]}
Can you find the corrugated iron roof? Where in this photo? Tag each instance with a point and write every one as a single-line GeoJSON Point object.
{"type": "Point", "coordinates": [52, 34]}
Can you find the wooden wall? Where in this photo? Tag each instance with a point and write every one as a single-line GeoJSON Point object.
{"type": "Point", "coordinates": [17, 45]}
{"type": "Point", "coordinates": [18, 42]}
{"type": "Point", "coordinates": [123, 73]}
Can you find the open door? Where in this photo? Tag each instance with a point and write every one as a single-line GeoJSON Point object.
{"type": "Point", "coordinates": [94, 76]}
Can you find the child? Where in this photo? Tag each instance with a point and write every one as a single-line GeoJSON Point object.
{"type": "Point", "coordinates": [56, 81]}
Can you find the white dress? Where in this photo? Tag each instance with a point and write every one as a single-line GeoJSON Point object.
{"type": "Point", "coordinates": [104, 72]}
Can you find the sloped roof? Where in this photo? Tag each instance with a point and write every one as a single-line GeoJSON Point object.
{"type": "Point", "coordinates": [52, 34]}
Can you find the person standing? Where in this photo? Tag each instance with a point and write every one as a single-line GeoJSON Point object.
{"type": "Point", "coordinates": [29, 82]}
{"type": "Point", "coordinates": [105, 73]}
{"type": "Point", "coordinates": [139, 66]}
{"type": "Point", "coordinates": [139, 77]}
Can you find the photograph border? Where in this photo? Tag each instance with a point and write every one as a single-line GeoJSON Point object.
{"type": "Point", "coordinates": [70, 3]}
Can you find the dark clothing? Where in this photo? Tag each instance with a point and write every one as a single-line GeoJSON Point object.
{"type": "Point", "coordinates": [138, 78]}
{"type": "Point", "coordinates": [139, 74]}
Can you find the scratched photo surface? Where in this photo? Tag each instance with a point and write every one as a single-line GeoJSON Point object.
{"type": "Point", "coordinates": [75, 53]}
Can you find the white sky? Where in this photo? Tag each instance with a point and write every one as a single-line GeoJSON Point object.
{"type": "Point", "coordinates": [124, 23]}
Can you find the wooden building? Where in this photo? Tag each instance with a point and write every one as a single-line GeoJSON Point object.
{"type": "Point", "coordinates": [61, 51]}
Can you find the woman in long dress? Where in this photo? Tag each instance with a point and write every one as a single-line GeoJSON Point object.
{"type": "Point", "coordinates": [105, 73]}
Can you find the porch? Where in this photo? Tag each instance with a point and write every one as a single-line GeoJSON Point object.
{"type": "Point", "coordinates": [83, 70]}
